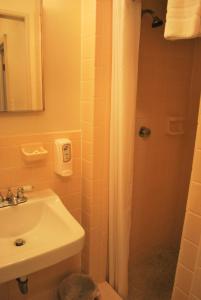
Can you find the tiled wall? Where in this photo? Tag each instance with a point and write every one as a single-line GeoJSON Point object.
{"type": "Point", "coordinates": [95, 105]}
{"type": "Point", "coordinates": [15, 172]}
{"type": "Point", "coordinates": [188, 276]}
{"type": "Point", "coordinates": [168, 86]}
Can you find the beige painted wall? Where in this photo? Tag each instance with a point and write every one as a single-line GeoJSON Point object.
{"type": "Point", "coordinates": [61, 55]}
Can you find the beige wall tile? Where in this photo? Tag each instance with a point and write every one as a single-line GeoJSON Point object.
{"type": "Point", "coordinates": [87, 90]}
{"type": "Point", "coordinates": [87, 188]}
{"type": "Point", "coordinates": [188, 254]}
{"type": "Point", "coordinates": [99, 112]}
{"type": "Point", "coordinates": [15, 172]}
{"type": "Point", "coordinates": [87, 151]}
{"type": "Point", "coordinates": [95, 89]}
{"type": "Point", "coordinates": [196, 286]}
{"type": "Point", "coordinates": [72, 201]}
{"type": "Point", "coordinates": [196, 173]}
{"type": "Point", "coordinates": [199, 259]}
{"type": "Point", "coordinates": [192, 297]}
{"type": "Point", "coordinates": [76, 148]}
{"type": "Point", "coordinates": [88, 48]}
{"type": "Point", "coordinates": [192, 227]}
{"type": "Point", "coordinates": [87, 112]}
{"type": "Point", "coordinates": [87, 169]}
{"type": "Point", "coordinates": [77, 214]}
{"type": "Point", "coordinates": [195, 198]}
{"type": "Point", "coordinates": [88, 70]}
{"type": "Point", "coordinates": [183, 279]}
{"type": "Point", "coordinates": [179, 295]}
{"type": "Point", "coordinates": [87, 132]}
{"type": "Point", "coordinates": [198, 137]}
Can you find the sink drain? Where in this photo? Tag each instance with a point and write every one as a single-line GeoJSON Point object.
{"type": "Point", "coordinates": [19, 242]}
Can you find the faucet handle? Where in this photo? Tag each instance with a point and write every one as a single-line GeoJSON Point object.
{"type": "Point", "coordinates": [10, 197]}
{"type": "Point", "coordinates": [2, 199]}
{"type": "Point", "coordinates": [20, 194]}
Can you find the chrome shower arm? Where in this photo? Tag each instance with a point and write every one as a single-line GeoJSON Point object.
{"type": "Point", "coordinates": [147, 11]}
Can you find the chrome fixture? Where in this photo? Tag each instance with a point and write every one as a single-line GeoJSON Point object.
{"type": "Point", "coordinates": [1, 198]}
{"type": "Point", "coordinates": [20, 195]}
{"type": "Point", "coordinates": [19, 242]}
{"type": "Point", "coordinates": [11, 199]}
{"type": "Point", "coordinates": [156, 21]}
{"type": "Point", "coordinates": [144, 132]}
{"type": "Point", "coordinates": [23, 284]}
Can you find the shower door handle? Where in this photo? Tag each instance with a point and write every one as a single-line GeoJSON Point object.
{"type": "Point", "coordinates": [144, 132]}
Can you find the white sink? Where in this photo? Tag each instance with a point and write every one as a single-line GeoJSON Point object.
{"type": "Point", "coordinates": [50, 233]}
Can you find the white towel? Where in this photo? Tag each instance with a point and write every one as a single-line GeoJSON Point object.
{"type": "Point", "coordinates": [183, 19]}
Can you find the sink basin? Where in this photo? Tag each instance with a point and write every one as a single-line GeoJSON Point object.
{"type": "Point", "coordinates": [49, 231]}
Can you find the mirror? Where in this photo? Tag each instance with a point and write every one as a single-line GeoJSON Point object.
{"type": "Point", "coordinates": [20, 56]}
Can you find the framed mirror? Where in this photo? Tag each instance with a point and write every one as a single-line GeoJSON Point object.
{"type": "Point", "coordinates": [20, 56]}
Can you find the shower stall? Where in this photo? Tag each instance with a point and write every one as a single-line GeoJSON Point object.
{"type": "Point", "coordinates": [168, 92]}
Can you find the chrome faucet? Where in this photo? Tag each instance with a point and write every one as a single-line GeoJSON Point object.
{"type": "Point", "coordinates": [11, 199]}
{"type": "Point", "coordinates": [2, 200]}
{"type": "Point", "coordinates": [20, 195]}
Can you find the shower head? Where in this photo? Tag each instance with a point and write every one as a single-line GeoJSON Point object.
{"type": "Point", "coordinates": [156, 21]}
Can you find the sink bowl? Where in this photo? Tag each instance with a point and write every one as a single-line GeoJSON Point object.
{"type": "Point", "coordinates": [49, 231]}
